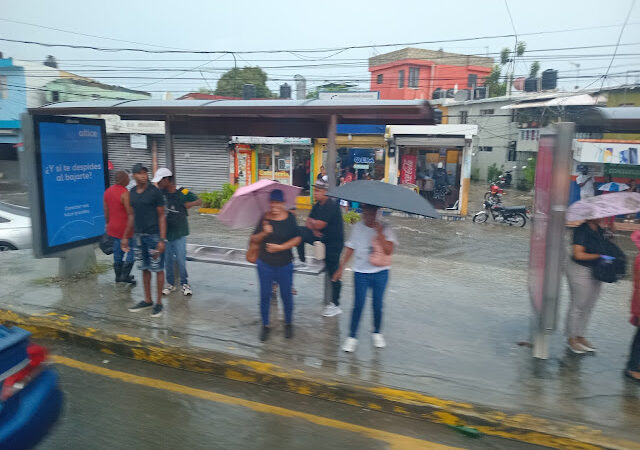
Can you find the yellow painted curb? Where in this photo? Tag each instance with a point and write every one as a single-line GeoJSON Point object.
{"type": "Point", "coordinates": [209, 211]}
{"type": "Point", "coordinates": [520, 427]}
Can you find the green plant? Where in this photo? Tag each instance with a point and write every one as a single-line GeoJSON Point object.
{"type": "Point", "coordinates": [351, 217]}
{"type": "Point", "coordinates": [493, 172]}
{"type": "Point", "coordinates": [211, 199]}
{"type": "Point", "coordinates": [475, 174]}
{"type": "Point", "coordinates": [526, 183]}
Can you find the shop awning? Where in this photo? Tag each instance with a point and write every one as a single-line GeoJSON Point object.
{"type": "Point", "coordinates": [625, 119]}
{"type": "Point", "coordinates": [431, 135]}
{"type": "Point", "coordinates": [571, 100]}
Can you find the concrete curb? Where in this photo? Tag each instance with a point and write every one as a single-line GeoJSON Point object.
{"type": "Point", "coordinates": [521, 427]}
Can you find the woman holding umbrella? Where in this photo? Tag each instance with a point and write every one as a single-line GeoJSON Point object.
{"type": "Point", "coordinates": [372, 244]}
{"type": "Point", "coordinates": [276, 234]}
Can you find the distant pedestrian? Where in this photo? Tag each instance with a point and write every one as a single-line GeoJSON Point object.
{"type": "Point", "coordinates": [322, 174]}
{"type": "Point", "coordinates": [150, 226]}
{"type": "Point", "coordinates": [584, 288]}
{"type": "Point", "coordinates": [277, 233]}
{"type": "Point", "coordinates": [325, 224]}
{"type": "Point", "coordinates": [585, 182]}
{"type": "Point", "coordinates": [633, 365]}
{"type": "Point", "coordinates": [116, 212]}
{"type": "Point", "coordinates": [178, 201]}
{"type": "Point", "coordinates": [372, 242]}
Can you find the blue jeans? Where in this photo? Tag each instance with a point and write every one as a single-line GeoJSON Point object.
{"type": "Point", "coordinates": [146, 255]}
{"type": "Point", "coordinates": [284, 277]}
{"type": "Point", "coordinates": [120, 256]}
{"type": "Point", "coordinates": [362, 282]}
{"type": "Point", "coordinates": [176, 251]}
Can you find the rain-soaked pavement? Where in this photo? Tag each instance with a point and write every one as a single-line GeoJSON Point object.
{"type": "Point", "coordinates": [456, 310]}
{"type": "Point", "coordinates": [110, 410]}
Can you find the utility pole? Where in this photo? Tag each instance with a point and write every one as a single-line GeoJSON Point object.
{"type": "Point", "coordinates": [577, 66]}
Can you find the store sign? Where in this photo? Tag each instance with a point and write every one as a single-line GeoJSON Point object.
{"type": "Point", "coordinates": [361, 166]}
{"type": "Point", "coordinates": [138, 141]}
{"type": "Point", "coordinates": [270, 140]}
{"type": "Point", "coordinates": [71, 167]}
{"type": "Point", "coordinates": [408, 169]}
{"type": "Point", "coordinates": [622, 171]}
{"type": "Point", "coordinates": [606, 152]}
{"type": "Point", "coordinates": [364, 160]}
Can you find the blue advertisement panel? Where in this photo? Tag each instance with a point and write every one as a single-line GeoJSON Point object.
{"type": "Point", "coordinates": [73, 177]}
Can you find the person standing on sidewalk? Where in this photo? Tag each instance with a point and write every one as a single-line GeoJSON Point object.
{"type": "Point", "coordinates": [584, 288]}
{"type": "Point", "coordinates": [277, 233]}
{"type": "Point", "coordinates": [372, 243]}
{"type": "Point", "coordinates": [178, 201]}
{"type": "Point", "coordinates": [325, 224]}
{"type": "Point", "coordinates": [116, 212]}
{"type": "Point", "coordinates": [150, 226]}
{"type": "Point", "coordinates": [633, 365]}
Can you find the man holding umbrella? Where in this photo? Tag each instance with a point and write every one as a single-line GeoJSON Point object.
{"type": "Point", "coordinates": [325, 224]}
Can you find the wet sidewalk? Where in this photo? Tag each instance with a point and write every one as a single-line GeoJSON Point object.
{"type": "Point", "coordinates": [452, 330]}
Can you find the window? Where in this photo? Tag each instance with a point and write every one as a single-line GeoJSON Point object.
{"type": "Point", "coordinates": [55, 96]}
{"type": "Point", "coordinates": [379, 80]}
{"type": "Point", "coordinates": [486, 149]}
{"type": "Point", "coordinates": [401, 79]}
{"type": "Point", "coordinates": [486, 112]}
{"type": "Point", "coordinates": [463, 116]}
{"type": "Point", "coordinates": [512, 155]}
{"type": "Point", "coordinates": [414, 77]}
{"type": "Point", "coordinates": [472, 80]}
{"type": "Point", "coordinates": [4, 88]}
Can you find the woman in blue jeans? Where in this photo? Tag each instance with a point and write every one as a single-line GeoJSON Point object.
{"type": "Point", "coordinates": [371, 243]}
{"type": "Point", "coordinates": [277, 233]}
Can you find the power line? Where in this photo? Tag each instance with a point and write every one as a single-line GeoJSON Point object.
{"type": "Point", "coordinates": [633, 2]}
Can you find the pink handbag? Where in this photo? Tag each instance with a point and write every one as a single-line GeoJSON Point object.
{"type": "Point", "coordinates": [377, 256]}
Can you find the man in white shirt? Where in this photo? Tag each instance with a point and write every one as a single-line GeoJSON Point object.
{"type": "Point", "coordinates": [585, 181]}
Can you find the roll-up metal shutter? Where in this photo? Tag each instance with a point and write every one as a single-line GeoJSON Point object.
{"type": "Point", "coordinates": [421, 141]}
{"type": "Point", "coordinates": [202, 162]}
{"type": "Point", "coordinates": [123, 157]}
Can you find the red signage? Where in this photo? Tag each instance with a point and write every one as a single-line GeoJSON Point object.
{"type": "Point", "coordinates": [408, 169]}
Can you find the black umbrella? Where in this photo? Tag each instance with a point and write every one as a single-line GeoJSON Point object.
{"type": "Point", "coordinates": [384, 195]}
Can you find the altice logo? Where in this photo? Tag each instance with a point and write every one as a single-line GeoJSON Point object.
{"type": "Point", "coordinates": [88, 133]}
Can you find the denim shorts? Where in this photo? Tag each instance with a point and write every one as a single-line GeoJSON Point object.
{"type": "Point", "coordinates": [146, 255]}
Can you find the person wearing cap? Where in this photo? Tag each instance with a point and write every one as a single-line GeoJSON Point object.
{"type": "Point", "coordinates": [149, 224]}
{"type": "Point", "coordinates": [325, 224]}
{"type": "Point", "coordinates": [277, 233]}
{"type": "Point", "coordinates": [116, 212]}
{"type": "Point", "coordinates": [178, 201]}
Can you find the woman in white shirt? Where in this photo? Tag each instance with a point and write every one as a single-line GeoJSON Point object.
{"type": "Point", "coordinates": [371, 242]}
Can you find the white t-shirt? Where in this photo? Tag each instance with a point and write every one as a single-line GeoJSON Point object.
{"type": "Point", "coordinates": [587, 190]}
{"type": "Point", "coordinates": [360, 241]}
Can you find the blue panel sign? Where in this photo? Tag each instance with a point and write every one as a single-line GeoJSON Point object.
{"type": "Point", "coordinates": [72, 172]}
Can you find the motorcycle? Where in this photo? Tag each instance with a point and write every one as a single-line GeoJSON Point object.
{"type": "Point", "coordinates": [495, 190]}
{"type": "Point", "coordinates": [513, 216]}
{"type": "Point", "coordinates": [506, 178]}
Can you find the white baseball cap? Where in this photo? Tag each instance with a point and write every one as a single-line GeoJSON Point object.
{"type": "Point", "coordinates": [160, 174]}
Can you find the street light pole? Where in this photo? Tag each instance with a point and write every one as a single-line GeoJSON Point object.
{"type": "Point", "coordinates": [577, 66]}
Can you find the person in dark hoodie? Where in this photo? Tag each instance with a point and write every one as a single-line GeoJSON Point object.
{"type": "Point", "coordinates": [633, 365]}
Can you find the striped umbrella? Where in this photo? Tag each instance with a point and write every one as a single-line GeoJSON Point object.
{"type": "Point", "coordinates": [613, 187]}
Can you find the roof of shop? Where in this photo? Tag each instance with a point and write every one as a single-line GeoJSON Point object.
{"type": "Point", "coordinates": [624, 119]}
{"type": "Point", "coordinates": [295, 118]}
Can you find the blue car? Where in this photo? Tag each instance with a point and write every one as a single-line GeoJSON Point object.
{"type": "Point", "coordinates": [30, 399]}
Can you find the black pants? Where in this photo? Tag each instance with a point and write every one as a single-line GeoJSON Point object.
{"type": "Point", "coordinates": [331, 260]}
{"type": "Point", "coordinates": [634, 357]}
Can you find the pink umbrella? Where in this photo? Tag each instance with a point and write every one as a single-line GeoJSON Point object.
{"type": "Point", "coordinates": [249, 203]}
{"type": "Point", "coordinates": [615, 204]}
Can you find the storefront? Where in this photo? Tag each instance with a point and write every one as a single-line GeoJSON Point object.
{"type": "Point", "coordinates": [282, 159]}
{"type": "Point", "coordinates": [434, 160]}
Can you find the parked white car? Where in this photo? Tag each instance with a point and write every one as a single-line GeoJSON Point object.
{"type": "Point", "coordinates": [15, 227]}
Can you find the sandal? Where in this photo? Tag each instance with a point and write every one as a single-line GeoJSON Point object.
{"type": "Point", "coordinates": [628, 374]}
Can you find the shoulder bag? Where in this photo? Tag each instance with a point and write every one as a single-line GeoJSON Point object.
{"type": "Point", "coordinates": [610, 271]}
{"type": "Point", "coordinates": [253, 251]}
{"type": "Point", "coordinates": [377, 256]}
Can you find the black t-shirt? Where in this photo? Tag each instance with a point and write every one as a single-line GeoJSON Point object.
{"type": "Point", "coordinates": [283, 231]}
{"type": "Point", "coordinates": [144, 209]}
{"type": "Point", "coordinates": [333, 233]}
{"type": "Point", "coordinates": [591, 241]}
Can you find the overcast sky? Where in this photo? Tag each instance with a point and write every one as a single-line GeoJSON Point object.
{"type": "Point", "coordinates": [263, 25]}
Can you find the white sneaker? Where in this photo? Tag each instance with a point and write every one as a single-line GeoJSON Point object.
{"type": "Point", "coordinates": [169, 289]}
{"type": "Point", "coordinates": [331, 310]}
{"type": "Point", "coordinates": [350, 345]}
{"type": "Point", "coordinates": [378, 340]}
{"type": "Point", "coordinates": [186, 290]}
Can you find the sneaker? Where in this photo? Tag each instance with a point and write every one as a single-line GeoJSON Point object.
{"type": "Point", "coordinates": [186, 290]}
{"type": "Point", "coordinates": [140, 306]}
{"type": "Point", "coordinates": [288, 331]}
{"type": "Point", "coordinates": [586, 345]}
{"type": "Point", "coordinates": [157, 310]}
{"type": "Point", "coordinates": [350, 345]}
{"type": "Point", "coordinates": [576, 348]}
{"type": "Point", "coordinates": [169, 289]}
{"type": "Point", "coordinates": [331, 310]}
{"type": "Point", "coordinates": [378, 340]}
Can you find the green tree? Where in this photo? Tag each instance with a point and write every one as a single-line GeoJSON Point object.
{"type": "Point", "coordinates": [230, 84]}
{"type": "Point", "coordinates": [505, 56]}
{"type": "Point", "coordinates": [330, 87]}
{"type": "Point", "coordinates": [494, 83]}
{"type": "Point", "coordinates": [535, 68]}
{"type": "Point", "coordinates": [520, 48]}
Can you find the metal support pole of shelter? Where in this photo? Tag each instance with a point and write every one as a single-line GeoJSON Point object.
{"type": "Point", "coordinates": [555, 248]}
{"type": "Point", "coordinates": [331, 173]}
{"type": "Point", "coordinates": [168, 146]}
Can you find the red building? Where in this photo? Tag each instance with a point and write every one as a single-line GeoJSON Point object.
{"type": "Point", "coordinates": [414, 73]}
